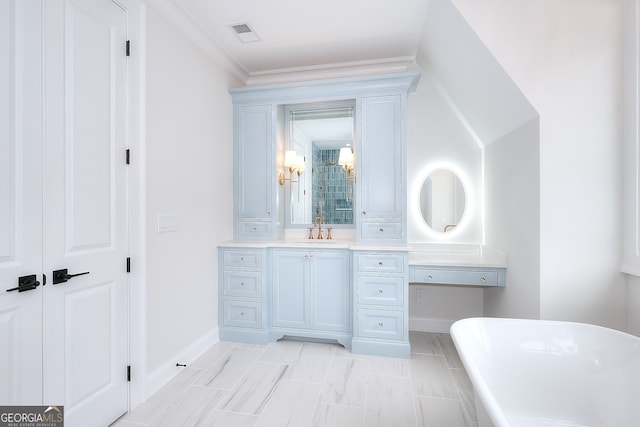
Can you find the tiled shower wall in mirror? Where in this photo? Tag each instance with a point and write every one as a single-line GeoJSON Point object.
{"type": "Point", "coordinates": [332, 188]}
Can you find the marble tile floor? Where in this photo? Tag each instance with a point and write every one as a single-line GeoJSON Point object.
{"type": "Point", "coordinates": [299, 384]}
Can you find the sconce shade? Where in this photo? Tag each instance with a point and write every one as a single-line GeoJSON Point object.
{"type": "Point", "coordinates": [290, 159]}
{"type": "Point", "coordinates": [345, 157]}
{"type": "Point", "coordinates": [299, 164]}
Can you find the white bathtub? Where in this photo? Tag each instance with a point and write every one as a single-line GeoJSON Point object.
{"type": "Point", "coordinates": [548, 373]}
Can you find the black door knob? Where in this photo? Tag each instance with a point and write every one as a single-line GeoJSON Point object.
{"type": "Point", "coordinates": [26, 283]}
{"type": "Point", "coordinates": [61, 276]}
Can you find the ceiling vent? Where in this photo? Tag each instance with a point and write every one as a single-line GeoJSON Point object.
{"type": "Point", "coordinates": [244, 32]}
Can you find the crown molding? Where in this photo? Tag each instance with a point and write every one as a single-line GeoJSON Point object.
{"type": "Point", "coordinates": [333, 71]}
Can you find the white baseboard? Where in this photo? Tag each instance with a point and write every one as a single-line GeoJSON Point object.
{"type": "Point", "coordinates": [168, 370]}
{"type": "Point", "coordinates": [424, 324]}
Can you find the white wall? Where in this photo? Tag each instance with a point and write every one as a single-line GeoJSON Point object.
{"type": "Point", "coordinates": [512, 214]}
{"type": "Point", "coordinates": [566, 57]}
{"type": "Point", "coordinates": [436, 138]}
{"type": "Point", "coordinates": [631, 263]}
{"type": "Point", "coordinates": [633, 305]}
{"type": "Point", "coordinates": [189, 173]}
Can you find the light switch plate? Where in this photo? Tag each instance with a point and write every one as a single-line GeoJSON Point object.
{"type": "Point", "coordinates": [167, 223]}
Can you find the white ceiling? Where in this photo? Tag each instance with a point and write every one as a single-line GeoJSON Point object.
{"type": "Point", "coordinates": [311, 40]}
{"type": "Point", "coordinates": [301, 35]}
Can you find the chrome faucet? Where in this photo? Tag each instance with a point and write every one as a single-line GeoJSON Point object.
{"type": "Point", "coordinates": [318, 221]}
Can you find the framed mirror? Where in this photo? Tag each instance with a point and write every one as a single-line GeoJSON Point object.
{"type": "Point", "coordinates": [321, 139]}
{"type": "Point", "coordinates": [442, 200]}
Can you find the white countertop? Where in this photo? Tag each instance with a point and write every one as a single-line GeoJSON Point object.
{"type": "Point", "coordinates": [316, 244]}
{"type": "Point", "coordinates": [460, 255]}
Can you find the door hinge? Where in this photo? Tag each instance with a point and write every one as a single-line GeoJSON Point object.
{"type": "Point", "coordinates": [129, 373]}
{"type": "Point", "coordinates": [128, 156]}
{"type": "Point", "coordinates": [128, 265]}
{"type": "Point", "coordinates": [128, 48]}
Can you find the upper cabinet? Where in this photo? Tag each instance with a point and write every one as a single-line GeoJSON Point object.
{"type": "Point", "coordinates": [254, 166]}
{"type": "Point", "coordinates": [382, 169]}
{"type": "Point", "coordinates": [266, 185]}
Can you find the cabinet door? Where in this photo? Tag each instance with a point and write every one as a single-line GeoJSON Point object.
{"type": "Point", "coordinates": [330, 302]}
{"type": "Point", "coordinates": [290, 294]}
{"type": "Point", "coordinates": [253, 171]}
{"type": "Point", "coordinates": [382, 173]}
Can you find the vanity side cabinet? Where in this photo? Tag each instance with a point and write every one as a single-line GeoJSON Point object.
{"type": "Point", "coordinates": [310, 294]}
{"type": "Point", "coordinates": [242, 295]}
{"type": "Point", "coordinates": [254, 173]}
{"type": "Point", "coordinates": [381, 300]}
{"type": "Point", "coordinates": [382, 169]}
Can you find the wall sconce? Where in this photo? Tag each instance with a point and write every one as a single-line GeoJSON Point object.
{"type": "Point", "coordinates": [345, 159]}
{"type": "Point", "coordinates": [295, 164]}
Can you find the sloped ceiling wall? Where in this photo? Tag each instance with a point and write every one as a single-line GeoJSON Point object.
{"type": "Point", "coordinates": [484, 95]}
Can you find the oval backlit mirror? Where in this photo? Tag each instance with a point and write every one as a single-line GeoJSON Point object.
{"type": "Point", "coordinates": [442, 200]}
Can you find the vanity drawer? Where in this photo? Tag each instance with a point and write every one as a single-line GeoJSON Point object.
{"type": "Point", "coordinates": [382, 230]}
{"type": "Point", "coordinates": [243, 314]}
{"type": "Point", "coordinates": [381, 263]}
{"type": "Point", "coordinates": [254, 230]}
{"type": "Point", "coordinates": [455, 277]}
{"type": "Point", "coordinates": [380, 324]}
{"type": "Point", "coordinates": [380, 290]}
{"type": "Point", "coordinates": [243, 284]}
{"type": "Point", "coordinates": [242, 258]}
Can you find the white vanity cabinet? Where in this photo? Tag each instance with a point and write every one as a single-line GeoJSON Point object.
{"type": "Point", "coordinates": [382, 169]}
{"type": "Point", "coordinates": [241, 293]}
{"type": "Point", "coordinates": [310, 294]}
{"type": "Point", "coordinates": [255, 213]}
{"type": "Point", "coordinates": [381, 303]}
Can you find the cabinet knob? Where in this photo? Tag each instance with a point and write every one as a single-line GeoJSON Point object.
{"type": "Point", "coordinates": [380, 324]}
{"type": "Point", "coordinates": [241, 283]}
{"type": "Point", "coordinates": [429, 277]}
{"type": "Point", "coordinates": [268, 213]}
{"type": "Point", "coordinates": [381, 230]}
{"type": "Point", "coordinates": [241, 258]}
{"type": "Point", "coordinates": [379, 263]}
{"type": "Point", "coordinates": [380, 291]}
{"type": "Point", "coordinates": [364, 212]}
{"type": "Point", "coordinates": [242, 314]}
{"type": "Point", "coordinates": [482, 279]}
{"type": "Point", "coordinates": [253, 229]}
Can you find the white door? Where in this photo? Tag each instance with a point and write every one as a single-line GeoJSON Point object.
{"type": "Point", "coordinates": [85, 210]}
{"type": "Point", "coordinates": [20, 203]}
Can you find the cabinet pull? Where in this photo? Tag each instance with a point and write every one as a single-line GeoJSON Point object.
{"type": "Point", "coordinates": [380, 324]}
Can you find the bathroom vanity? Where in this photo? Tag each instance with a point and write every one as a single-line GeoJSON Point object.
{"type": "Point", "coordinates": [274, 282]}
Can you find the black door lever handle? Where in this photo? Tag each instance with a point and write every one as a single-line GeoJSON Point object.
{"type": "Point", "coordinates": [26, 283]}
{"type": "Point", "coordinates": [61, 276]}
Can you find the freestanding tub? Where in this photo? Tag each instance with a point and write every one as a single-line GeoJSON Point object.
{"type": "Point", "coordinates": [550, 373]}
